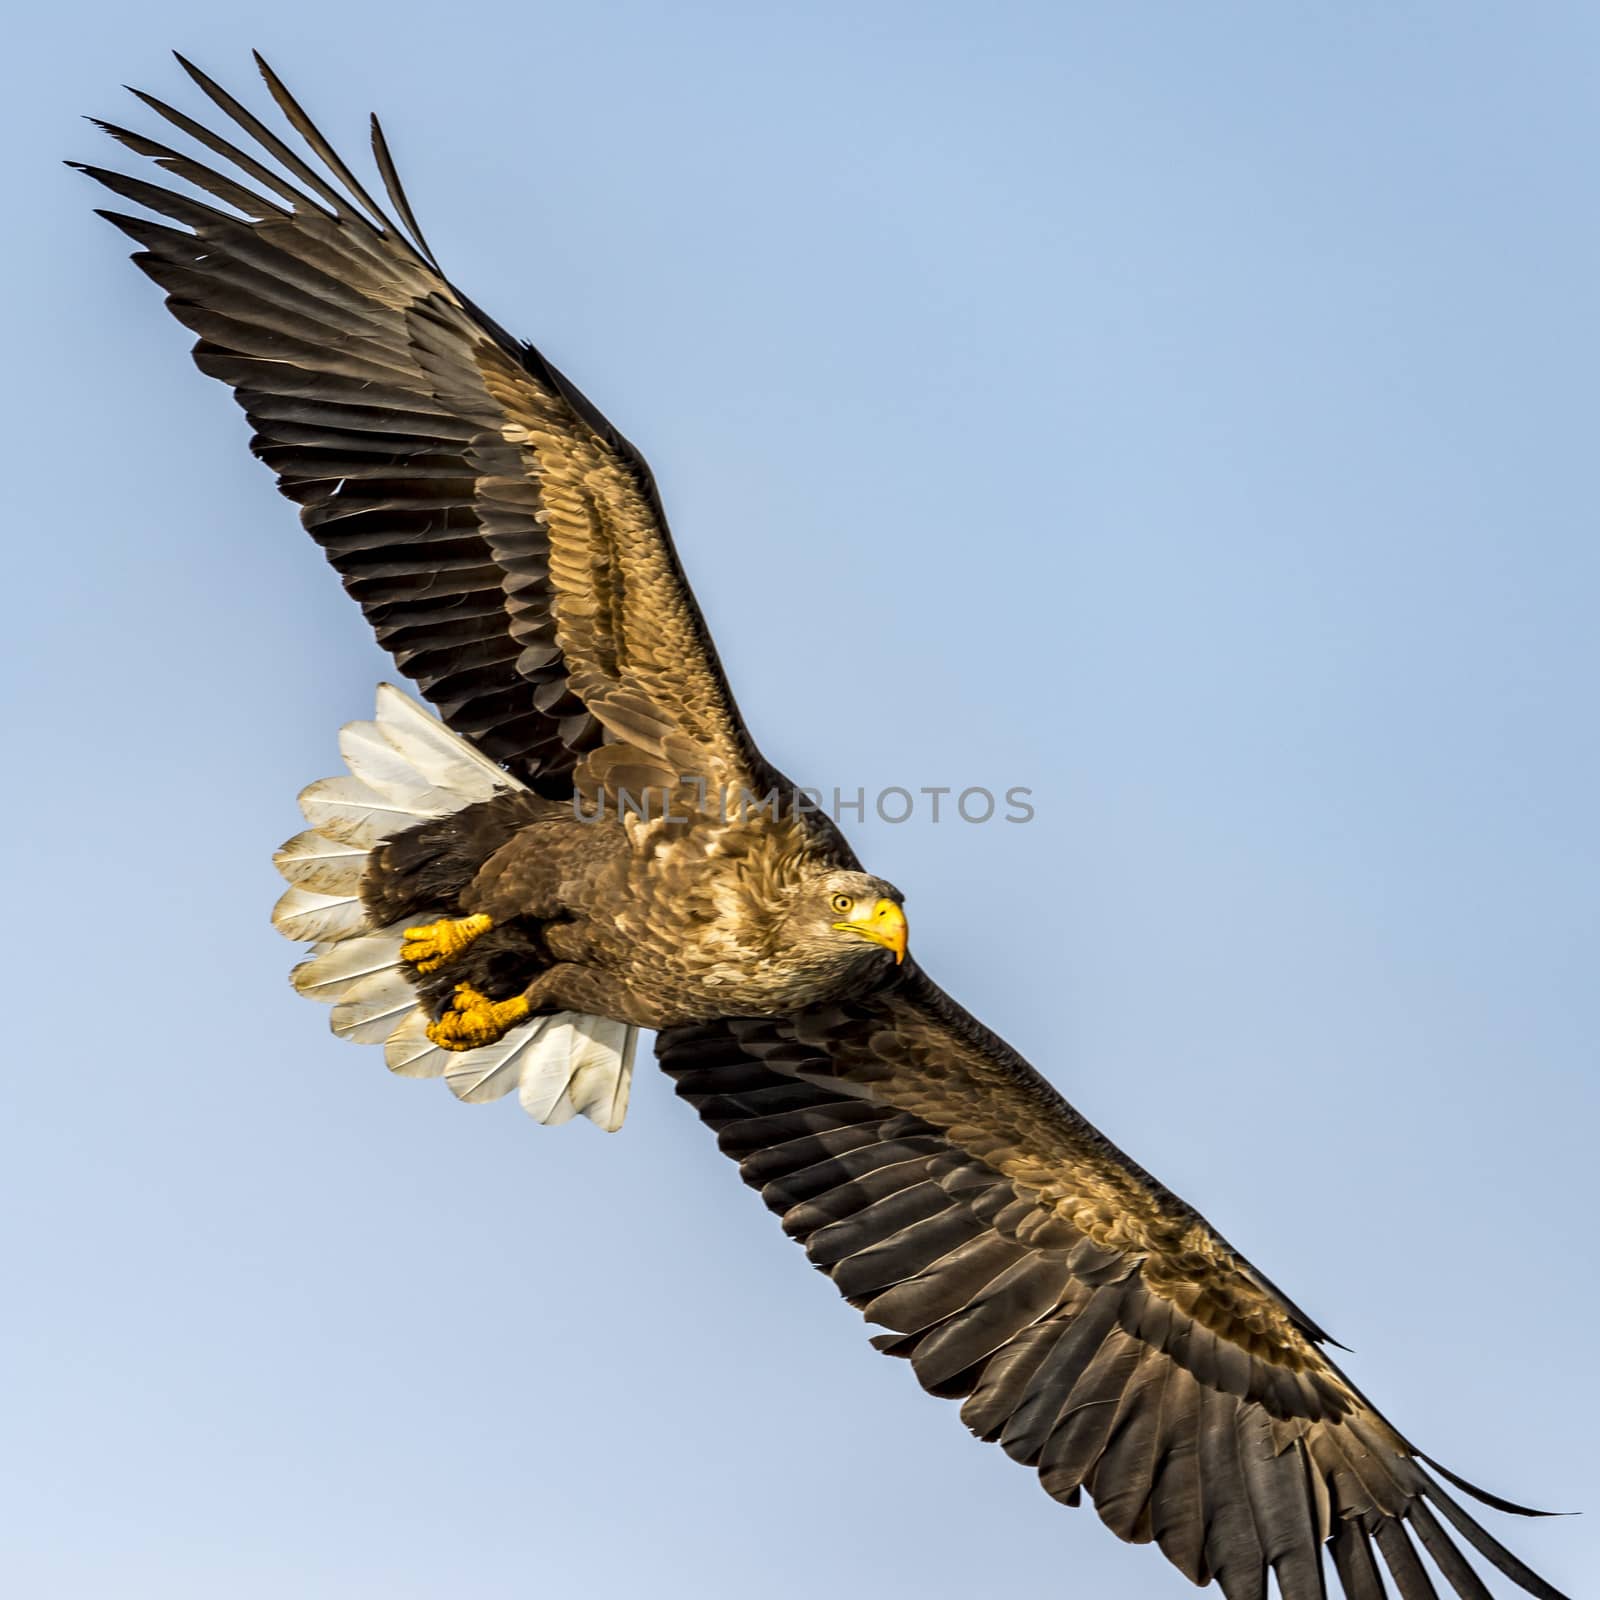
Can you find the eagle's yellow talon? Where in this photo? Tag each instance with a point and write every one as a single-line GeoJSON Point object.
{"type": "Point", "coordinates": [428, 946]}
{"type": "Point", "coordinates": [474, 1019]}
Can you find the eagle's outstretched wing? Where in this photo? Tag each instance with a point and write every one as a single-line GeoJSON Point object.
{"type": "Point", "coordinates": [504, 540]}
{"type": "Point", "coordinates": [1092, 1323]}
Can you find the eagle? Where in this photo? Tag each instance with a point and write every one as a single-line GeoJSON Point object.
{"type": "Point", "coordinates": [586, 842]}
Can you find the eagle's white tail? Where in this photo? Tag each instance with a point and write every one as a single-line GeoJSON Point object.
{"type": "Point", "coordinates": [405, 768]}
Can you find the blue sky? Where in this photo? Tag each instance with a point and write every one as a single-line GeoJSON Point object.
{"type": "Point", "coordinates": [1194, 407]}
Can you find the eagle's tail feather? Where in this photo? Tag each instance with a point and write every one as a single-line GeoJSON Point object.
{"type": "Point", "coordinates": [405, 768]}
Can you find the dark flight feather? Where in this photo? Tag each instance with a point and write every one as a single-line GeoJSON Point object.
{"type": "Point", "coordinates": [1410, 1577]}
{"type": "Point", "coordinates": [397, 194]}
{"type": "Point", "coordinates": [1356, 1565]}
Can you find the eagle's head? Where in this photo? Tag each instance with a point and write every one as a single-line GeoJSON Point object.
{"type": "Point", "coordinates": [846, 922]}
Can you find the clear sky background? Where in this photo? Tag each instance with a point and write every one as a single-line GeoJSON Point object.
{"type": "Point", "coordinates": [1186, 410]}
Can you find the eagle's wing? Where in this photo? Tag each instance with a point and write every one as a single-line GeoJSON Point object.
{"type": "Point", "coordinates": [504, 540]}
{"type": "Point", "coordinates": [1094, 1324]}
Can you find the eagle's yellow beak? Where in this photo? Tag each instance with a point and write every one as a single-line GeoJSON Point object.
{"type": "Point", "coordinates": [883, 923]}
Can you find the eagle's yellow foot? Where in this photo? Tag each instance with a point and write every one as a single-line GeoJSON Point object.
{"type": "Point", "coordinates": [432, 944]}
{"type": "Point", "coordinates": [474, 1019]}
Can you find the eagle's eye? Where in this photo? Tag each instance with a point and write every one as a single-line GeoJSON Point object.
{"type": "Point", "coordinates": [841, 903]}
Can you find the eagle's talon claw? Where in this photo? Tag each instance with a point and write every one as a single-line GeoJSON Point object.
{"type": "Point", "coordinates": [474, 1019]}
{"type": "Point", "coordinates": [430, 945]}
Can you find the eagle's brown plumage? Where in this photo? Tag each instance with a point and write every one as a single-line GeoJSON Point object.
{"type": "Point", "coordinates": [509, 548]}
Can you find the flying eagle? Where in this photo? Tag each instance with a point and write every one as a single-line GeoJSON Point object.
{"type": "Point", "coordinates": [503, 897]}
